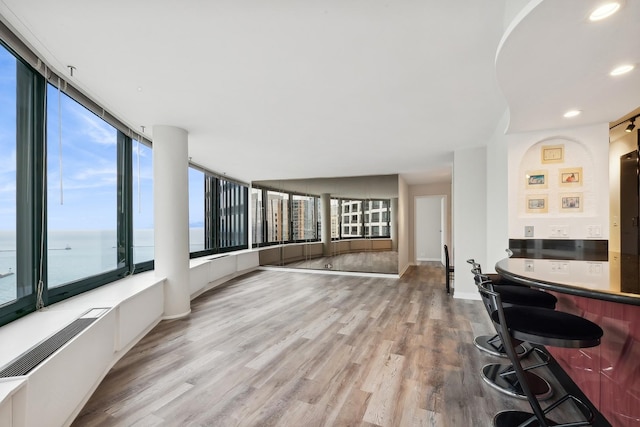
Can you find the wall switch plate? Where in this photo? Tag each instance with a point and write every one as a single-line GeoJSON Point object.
{"type": "Point", "coordinates": [528, 231]}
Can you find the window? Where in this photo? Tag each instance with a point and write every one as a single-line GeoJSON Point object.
{"type": "Point", "coordinates": [143, 241]}
{"type": "Point", "coordinates": [375, 217]}
{"type": "Point", "coordinates": [8, 164]}
{"type": "Point", "coordinates": [257, 226]}
{"type": "Point", "coordinates": [232, 214]}
{"type": "Point", "coordinates": [304, 213]}
{"type": "Point", "coordinates": [335, 218]}
{"type": "Point", "coordinates": [82, 199]}
{"type": "Point", "coordinates": [277, 216]}
{"type": "Point", "coordinates": [196, 210]}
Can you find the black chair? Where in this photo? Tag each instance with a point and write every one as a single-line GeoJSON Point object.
{"type": "Point", "coordinates": [540, 326]}
{"type": "Point", "coordinates": [448, 269]}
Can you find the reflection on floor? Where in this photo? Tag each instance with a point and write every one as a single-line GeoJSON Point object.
{"type": "Point", "coordinates": [369, 262]}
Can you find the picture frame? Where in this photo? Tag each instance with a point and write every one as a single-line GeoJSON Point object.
{"type": "Point", "coordinates": [552, 154]}
{"type": "Point", "coordinates": [571, 177]}
{"type": "Point", "coordinates": [537, 203]}
{"type": "Point", "coordinates": [571, 202]}
{"type": "Point", "coordinates": [537, 179]}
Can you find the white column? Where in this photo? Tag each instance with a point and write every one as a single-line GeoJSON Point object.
{"type": "Point", "coordinates": [171, 217]}
{"type": "Point", "coordinates": [325, 201]}
{"type": "Point", "coordinates": [393, 223]}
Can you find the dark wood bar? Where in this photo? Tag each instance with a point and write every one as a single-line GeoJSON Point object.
{"type": "Point", "coordinates": [605, 292]}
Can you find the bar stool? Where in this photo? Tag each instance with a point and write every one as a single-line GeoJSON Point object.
{"type": "Point", "coordinates": [512, 294]}
{"type": "Point", "coordinates": [502, 376]}
{"type": "Point", "coordinates": [540, 326]}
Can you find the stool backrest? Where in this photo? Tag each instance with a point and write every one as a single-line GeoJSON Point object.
{"type": "Point", "coordinates": [487, 293]}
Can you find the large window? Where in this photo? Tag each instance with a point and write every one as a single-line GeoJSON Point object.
{"type": "Point", "coordinates": [196, 210]}
{"type": "Point", "coordinates": [143, 240]}
{"type": "Point", "coordinates": [76, 195]}
{"type": "Point", "coordinates": [82, 192]}
{"type": "Point", "coordinates": [8, 105]}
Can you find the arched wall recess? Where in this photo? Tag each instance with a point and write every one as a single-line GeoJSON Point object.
{"type": "Point", "coordinates": [556, 177]}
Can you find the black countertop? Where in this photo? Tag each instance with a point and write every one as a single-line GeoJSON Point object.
{"type": "Point", "coordinates": [616, 280]}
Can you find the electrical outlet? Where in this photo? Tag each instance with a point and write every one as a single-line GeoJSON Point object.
{"type": "Point", "coordinates": [528, 231]}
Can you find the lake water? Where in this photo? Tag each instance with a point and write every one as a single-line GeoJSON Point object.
{"type": "Point", "coordinates": [74, 255]}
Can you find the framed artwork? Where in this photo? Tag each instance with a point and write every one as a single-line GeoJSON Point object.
{"type": "Point", "coordinates": [537, 179]}
{"type": "Point", "coordinates": [537, 203]}
{"type": "Point", "coordinates": [552, 154]}
{"type": "Point", "coordinates": [571, 177]}
{"type": "Point", "coordinates": [571, 202]}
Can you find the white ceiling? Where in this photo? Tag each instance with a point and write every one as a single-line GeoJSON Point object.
{"type": "Point", "coordinates": [289, 89]}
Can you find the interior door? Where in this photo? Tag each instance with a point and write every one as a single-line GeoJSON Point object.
{"type": "Point", "coordinates": [629, 203]}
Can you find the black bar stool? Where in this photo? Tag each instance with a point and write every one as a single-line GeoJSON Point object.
{"type": "Point", "coordinates": [512, 294]}
{"type": "Point", "coordinates": [544, 327]}
{"type": "Point", "coordinates": [502, 376]}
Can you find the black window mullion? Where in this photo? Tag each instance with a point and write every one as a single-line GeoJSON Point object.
{"type": "Point", "coordinates": [125, 202]}
{"type": "Point", "coordinates": [30, 187]}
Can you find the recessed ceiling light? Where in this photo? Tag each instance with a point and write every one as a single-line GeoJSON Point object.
{"type": "Point", "coordinates": [621, 70]}
{"type": "Point", "coordinates": [604, 11]}
{"type": "Point", "coordinates": [572, 113]}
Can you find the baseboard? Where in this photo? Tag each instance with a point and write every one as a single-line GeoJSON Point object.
{"type": "Point", "coordinates": [466, 295]}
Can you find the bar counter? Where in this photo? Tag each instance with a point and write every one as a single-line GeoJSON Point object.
{"type": "Point", "coordinates": [607, 293]}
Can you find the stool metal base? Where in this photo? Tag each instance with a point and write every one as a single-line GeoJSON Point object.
{"type": "Point", "coordinates": [503, 378]}
{"type": "Point", "coordinates": [516, 418]}
{"type": "Point", "coordinates": [493, 345]}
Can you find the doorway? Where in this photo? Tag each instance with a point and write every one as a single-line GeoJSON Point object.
{"type": "Point", "coordinates": [430, 228]}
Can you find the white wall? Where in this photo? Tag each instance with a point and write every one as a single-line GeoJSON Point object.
{"type": "Point", "coordinates": [585, 147]}
{"type": "Point", "coordinates": [428, 227]}
{"type": "Point", "coordinates": [469, 217]}
{"type": "Point", "coordinates": [497, 196]}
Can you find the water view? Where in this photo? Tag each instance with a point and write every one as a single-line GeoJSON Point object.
{"type": "Point", "coordinates": [74, 255]}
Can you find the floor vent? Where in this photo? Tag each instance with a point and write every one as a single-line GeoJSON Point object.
{"type": "Point", "coordinates": [27, 361]}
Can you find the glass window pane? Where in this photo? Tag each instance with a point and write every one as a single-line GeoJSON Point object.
{"type": "Point", "coordinates": [143, 242]}
{"type": "Point", "coordinates": [8, 104]}
{"type": "Point", "coordinates": [82, 191]}
{"type": "Point", "coordinates": [303, 217]}
{"type": "Point", "coordinates": [231, 205]}
{"type": "Point", "coordinates": [277, 216]}
{"type": "Point", "coordinates": [196, 210]}
{"type": "Point", "coordinates": [353, 217]}
{"type": "Point", "coordinates": [257, 228]}
{"type": "Point", "coordinates": [335, 218]}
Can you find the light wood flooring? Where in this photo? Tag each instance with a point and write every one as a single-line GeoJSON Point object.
{"type": "Point", "coordinates": [277, 348]}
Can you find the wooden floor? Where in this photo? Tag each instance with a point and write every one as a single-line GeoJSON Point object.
{"type": "Point", "coordinates": [279, 348]}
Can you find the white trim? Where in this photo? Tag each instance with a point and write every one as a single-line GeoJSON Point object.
{"type": "Point", "coordinates": [467, 295]}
